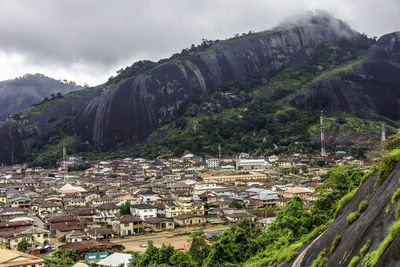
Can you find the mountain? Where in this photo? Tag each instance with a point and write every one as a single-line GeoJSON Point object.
{"type": "Point", "coordinates": [20, 93]}
{"type": "Point", "coordinates": [259, 93]}
{"type": "Point", "coordinates": [159, 96]}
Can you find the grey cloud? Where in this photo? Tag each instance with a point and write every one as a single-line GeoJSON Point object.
{"type": "Point", "coordinates": [102, 34]}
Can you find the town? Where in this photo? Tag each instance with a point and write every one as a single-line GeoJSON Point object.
{"type": "Point", "coordinates": [114, 206]}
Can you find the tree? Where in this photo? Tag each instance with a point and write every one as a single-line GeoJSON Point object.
{"type": "Point", "coordinates": [166, 253]}
{"type": "Point", "coordinates": [236, 205]}
{"type": "Point", "coordinates": [64, 257]}
{"type": "Point", "coordinates": [199, 250]}
{"type": "Point", "coordinates": [23, 245]}
{"type": "Point", "coordinates": [181, 259]}
{"type": "Point", "coordinates": [125, 209]}
{"type": "Point", "coordinates": [52, 193]}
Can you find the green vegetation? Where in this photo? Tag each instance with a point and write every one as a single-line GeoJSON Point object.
{"type": "Point", "coordinates": [352, 217]}
{"type": "Point", "coordinates": [335, 243]}
{"type": "Point", "coordinates": [396, 195]}
{"type": "Point", "coordinates": [373, 257]}
{"type": "Point", "coordinates": [387, 164]}
{"type": "Point", "coordinates": [344, 201]}
{"type": "Point", "coordinates": [388, 207]}
{"type": "Point", "coordinates": [354, 261]}
{"type": "Point", "coordinates": [125, 209]}
{"type": "Point", "coordinates": [363, 206]}
{"type": "Point", "coordinates": [397, 213]}
{"type": "Point", "coordinates": [23, 245]}
{"type": "Point", "coordinates": [236, 205]}
{"type": "Point", "coordinates": [320, 260]}
{"type": "Point", "coordinates": [64, 257]}
{"type": "Point", "coordinates": [52, 193]}
{"type": "Point", "coordinates": [365, 248]}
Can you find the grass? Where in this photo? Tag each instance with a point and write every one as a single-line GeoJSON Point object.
{"type": "Point", "coordinates": [388, 207]}
{"type": "Point", "coordinates": [335, 243]}
{"type": "Point", "coordinates": [339, 69]}
{"type": "Point", "coordinates": [396, 195]}
{"type": "Point", "coordinates": [320, 260]}
{"type": "Point", "coordinates": [397, 213]}
{"type": "Point", "coordinates": [352, 217]}
{"type": "Point", "coordinates": [386, 165]}
{"type": "Point", "coordinates": [365, 248]}
{"type": "Point", "coordinates": [372, 258]}
{"type": "Point", "coordinates": [354, 261]}
{"type": "Point", "coordinates": [363, 206]}
{"type": "Point", "coordinates": [343, 202]}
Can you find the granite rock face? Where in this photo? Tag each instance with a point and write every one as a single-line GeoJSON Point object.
{"type": "Point", "coordinates": [129, 113]}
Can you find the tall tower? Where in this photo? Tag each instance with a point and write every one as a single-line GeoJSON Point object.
{"type": "Point", "coordinates": [64, 159]}
{"type": "Point", "coordinates": [321, 121]}
{"type": "Point", "coordinates": [383, 136]}
{"type": "Point", "coordinates": [219, 151]}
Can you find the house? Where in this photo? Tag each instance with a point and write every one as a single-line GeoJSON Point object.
{"type": "Point", "coordinates": [61, 220]}
{"type": "Point", "coordinates": [14, 258]}
{"type": "Point", "coordinates": [212, 163]}
{"type": "Point", "coordinates": [144, 210]}
{"type": "Point", "coordinates": [159, 224]}
{"type": "Point", "coordinates": [298, 192]}
{"type": "Point", "coordinates": [100, 233]}
{"type": "Point", "coordinates": [148, 196]}
{"type": "Point", "coordinates": [237, 216]}
{"type": "Point", "coordinates": [116, 260]}
{"type": "Point", "coordinates": [104, 218]}
{"type": "Point", "coordinates": [88, 250]}
{"type": "Point", "coordinates": [12, 226]}
{"type": "Point", "coordinates": [130, 225]}
{"type": "Point", "coordinates": [36, 237]}
{"type": "Point", "coordinates": [189, 219]}
{"type": "Point", "coordinates": [111, 208]}
{"type": "Point", "coordinates": [48, 208]}
{"type": "Point", "coordinates": [20, 202]}
{"type": "Point", "coordinates": [75, 236]}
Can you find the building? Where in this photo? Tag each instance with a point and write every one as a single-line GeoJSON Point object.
{"type": "Point", "coordinates": [16, 258]}
{"type": "Point", "coordinates": [116, 260]}
{"type": "Point", "coordinates": [144, 210]}
{"type": "Point", "coordinates": [159, 224]}
{"type": "Point", "coordinates": [298, 192]}
{"type": "Point", "coordinates": [212, 163]}
{"type": "Point", "coordinates": [189, 220]}
{"type": "Point", "coordinates": [232, 178]}
{"type": "Point", "coordinates": [130, 225]}
{"type": "Point", "coordinates": [36, 237]}
{"type": "Point", "coordinates": [252, 164]}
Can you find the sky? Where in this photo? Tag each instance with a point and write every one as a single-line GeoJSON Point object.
{"type": "Point", "coordinates": [87, 41]}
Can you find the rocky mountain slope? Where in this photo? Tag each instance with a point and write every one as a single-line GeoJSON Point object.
{"type": "Point", "coordinates": [259, 93]}
{"type": "Point", "coordinates": [129, 113]}
{"type": "Point", "coordinates": [367, 229]}
{"type": "Point", "coordinates": [23, 92]}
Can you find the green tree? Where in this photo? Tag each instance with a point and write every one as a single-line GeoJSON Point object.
{"type": "Point", "coordinates": [165, 253]}
{"type": "Point", "coordinates": [199, 250]}
{"type": "Point", "coordinates": [181, 259]}
{"type": "Point", "coordinates": [23, 245]}
{"type": "Point", "coordinates": [125, 209]}
{"type": "Point", "coordinates": [236, 204]}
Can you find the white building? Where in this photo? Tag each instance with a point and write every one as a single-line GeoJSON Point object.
{"type": "Point", "coordinates": [273, 158]}
{"type": "Point", "coordinates": [212, 163]}
{"type": "Point", "coordinates": [144, 211]}
{"type": "Point", "coordinates": [252, 164]}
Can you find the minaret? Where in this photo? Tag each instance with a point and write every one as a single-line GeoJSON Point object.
{"type": "Point", "coordinates": [219, 151]}
{"type": "Point", "coordinates": [383, 136]}
{"type": "Point", "coordinates": [321, 121]}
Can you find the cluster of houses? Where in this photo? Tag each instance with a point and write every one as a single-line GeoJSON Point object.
{"type": "Point", "coordinates": [127, 197]}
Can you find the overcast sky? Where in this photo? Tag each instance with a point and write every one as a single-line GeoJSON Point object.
{"type": "Point", "coordinates": [89, 40]}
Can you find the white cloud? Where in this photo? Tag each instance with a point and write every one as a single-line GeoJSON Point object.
{"type": "Point", "coordinates": [87, 41]}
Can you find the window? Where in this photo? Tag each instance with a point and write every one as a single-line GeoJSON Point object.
{"type": "Point", "coordinates": [126, 224]}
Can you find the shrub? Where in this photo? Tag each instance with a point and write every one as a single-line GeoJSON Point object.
{"type": "Point", "coordinates": [335, 243]}
{"type": "Point", "coordinates": [344, 201]}
{"type": "Point", "coordinates": [386, 165]}
{"type": "Point", "coordinates": [365, 248]}
{"type": "Point", "coordinates": [397, 213]}
{"type": "Point", "coordinates": [354, 261]}
{"type": "Point", "coordinates": [352, 217]}
{"type": "Point", "coordinates": [320, 260]}
{"type": "Point", "coordinates": [388, 207]}
{"type": "Point", "coordinates": [374, 256]}
{"type": "Point", "coordinates": [396, 195]}
{"type": "Point", "coordinates": [363, 206]}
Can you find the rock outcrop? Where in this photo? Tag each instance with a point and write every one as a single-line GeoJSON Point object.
{"type": "Point", "coordinates": [129, 113]}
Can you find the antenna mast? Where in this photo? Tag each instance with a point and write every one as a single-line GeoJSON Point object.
{"type": "Point", "coordinates": [321, 120]}
{"type": "Point", "coordinates": [64, 159]}
{"type": "Point", "coordinates": [383, 136]}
